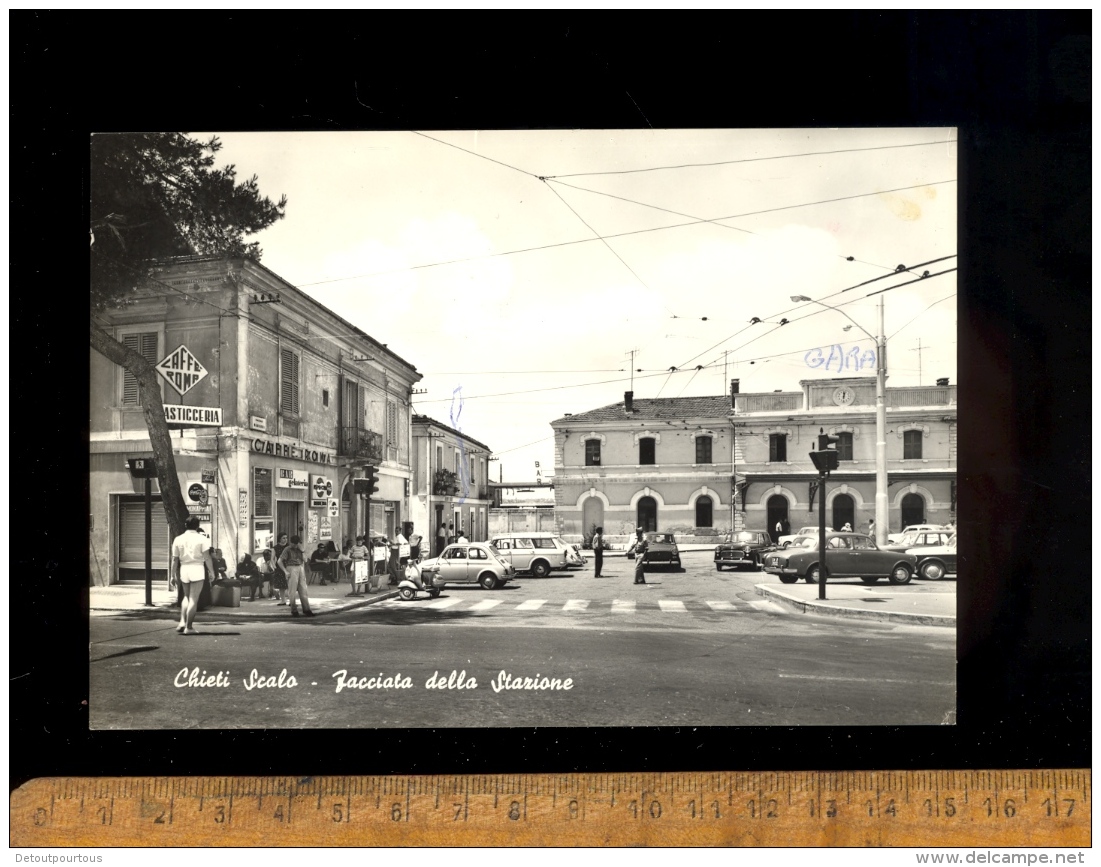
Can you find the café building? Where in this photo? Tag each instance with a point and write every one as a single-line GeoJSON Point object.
{"type": "Point", "coordinates": [275, 404]}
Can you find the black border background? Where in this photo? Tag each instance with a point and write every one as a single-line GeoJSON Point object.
{"type": "Point", "coordinates": [1017, 84]}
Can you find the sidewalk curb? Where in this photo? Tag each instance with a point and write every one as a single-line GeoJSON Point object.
{"type": "Point", "coordinates": [857, 613]}
{"type": "Point", "coordinates": [216, 610]}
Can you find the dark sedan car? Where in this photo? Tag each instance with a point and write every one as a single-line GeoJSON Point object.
{"type": "Point", "coordinates": [848, 555]}
{"type": "Point", "coordinates": [742, 550]}
{"type": "Point", "coordinates": [661, 550]}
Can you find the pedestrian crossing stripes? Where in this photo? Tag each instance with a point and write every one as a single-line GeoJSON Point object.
{"type": "Point", "coordinates": [614, 606]}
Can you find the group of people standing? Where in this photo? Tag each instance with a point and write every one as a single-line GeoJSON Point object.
{"type": "Point", "coordinates": [445, 535]}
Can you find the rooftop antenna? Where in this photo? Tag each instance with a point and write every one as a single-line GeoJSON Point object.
{"type": "Point", "coordinates": [631, 352]}
{"type": "Point", "coordinates": [918, 351]}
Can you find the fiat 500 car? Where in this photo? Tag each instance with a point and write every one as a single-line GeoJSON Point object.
{"type": "Point", "coordinates": [470, 563]}
{"type": "Point", "coordinates": [848, 555]}
{"type": "Point", "coordinates": [742, 550]}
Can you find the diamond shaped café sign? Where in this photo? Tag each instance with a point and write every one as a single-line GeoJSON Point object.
{"type": "Point", "coordinates": [182, 370]}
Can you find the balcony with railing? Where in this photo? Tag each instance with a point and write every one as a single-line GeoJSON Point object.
{"type": "Point", "coordinates": [361, 444]}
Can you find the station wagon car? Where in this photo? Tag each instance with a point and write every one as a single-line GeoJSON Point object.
{"type": "Point", "coordinates": [848, 555]}
{"type": "Point", "coordinates": [936, 561]}
{"type": "Point", "coordinates": [537, 553]}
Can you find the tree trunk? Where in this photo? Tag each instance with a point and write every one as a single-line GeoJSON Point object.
{"type": "Point", "coordinates": [152, 406]}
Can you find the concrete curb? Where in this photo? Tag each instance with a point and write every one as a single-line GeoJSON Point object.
{"type": "Point", "coordinates": [215, 611]}
{"type": "Point", "coordinates": [839, 610]}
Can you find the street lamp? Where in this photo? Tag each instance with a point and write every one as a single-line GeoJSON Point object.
{"type": "Point", "coordinates": [880, 416]}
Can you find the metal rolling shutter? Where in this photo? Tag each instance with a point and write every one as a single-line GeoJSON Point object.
{"type": "Point", "coordinates": [132, 533]}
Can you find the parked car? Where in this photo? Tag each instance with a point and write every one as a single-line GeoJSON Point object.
{"type": "Point", "coordinates": [470, 563]}
{"type": "Point", "coordinates": [936, 561]}
{"type": "Point", "coordinates": [913, 528]}
{"type": "Point", "coordinates": [575, 557]}
{"type": "Point", "coordinates": [537, 553]}
{"type": "Point", "coordinates": [848, 555]}
{"type": "Point", "coordinates": [743, 548]}
{"type": "Point", "coordinates": [784, 541]}
{"type": "Point", "coordinates": [661, 550]}
{"type": "Point", "coordinates": [918, 539]}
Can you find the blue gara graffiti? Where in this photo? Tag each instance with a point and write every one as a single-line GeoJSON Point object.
{"type": "Point", "coordinates": [853, 359]}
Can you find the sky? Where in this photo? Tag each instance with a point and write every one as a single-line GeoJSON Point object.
{"type": "Point", "coordinates": [535, 273]}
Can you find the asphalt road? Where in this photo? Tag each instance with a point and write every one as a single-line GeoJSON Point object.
{"type": "Point", "coordinates": [694, 648]}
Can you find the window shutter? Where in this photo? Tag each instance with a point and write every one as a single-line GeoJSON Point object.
{"type": "Point", "coordinates": [288, 394]}
{"type": "Point", "coordinates": [145, 345]}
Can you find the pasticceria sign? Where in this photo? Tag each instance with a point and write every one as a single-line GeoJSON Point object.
{"type": "Point", "coordinates": [296, 451]}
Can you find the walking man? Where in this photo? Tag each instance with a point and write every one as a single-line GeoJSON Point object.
{"type": "Point", "coordinates": [190, 560]}
{"type": "Point", "coordinates": [598, 550]}
{"type": "Point", "coordinates": [292, 560]}
{"type": "Point", "coordinates": [639, 551]}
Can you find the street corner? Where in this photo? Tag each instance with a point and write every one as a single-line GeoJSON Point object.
{"type": "Point", "coordinates": [866, 604]}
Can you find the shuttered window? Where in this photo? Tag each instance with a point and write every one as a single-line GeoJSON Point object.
{"type": "Point", "coordinates": [703, 456]}
{"type": "Point", "coordinates": [132, 532]}
{"type": "Point", "coordinates": [288, 384]}
{"type": "Point", "coordinates": [145, 344]}
{"type": "Point", "coordinates": [391, 423]}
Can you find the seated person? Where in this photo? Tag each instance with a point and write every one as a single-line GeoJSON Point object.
{"type": "Point", "coordinates": [319, 562]}
{"type": "Point", "coordinates": [456, 554]}
{"type": "Point", "coordinates": [220, 565]}
{"type": "Point", "coordinates": [249, 573]}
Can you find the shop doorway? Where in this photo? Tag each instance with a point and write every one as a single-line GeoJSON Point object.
{"type": "Point", "coordinates": [844, 511]}
{"type": "Point", "coordinates": [913, 510]}
{"type": "Point", "coordinates": [647, 514]}
{"type": "Point", "coordinates": [777, 509]}
{"type": "Point", "coordinates": [288, 518]}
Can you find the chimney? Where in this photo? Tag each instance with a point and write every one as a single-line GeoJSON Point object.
{"type": "Point", "coordinates": [629, 401]}
{"type": "Point", "coordinates": [733, 391]}
{"type": "Point", "coordinates": [943, 381]}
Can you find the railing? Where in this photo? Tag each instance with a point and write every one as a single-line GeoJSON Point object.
{"type": "Point", "coordinates": [357, 442]}
{"type": "Point", "coordinates": [922, 396]}
{"type": "Point", "coordinates": [769, 402]}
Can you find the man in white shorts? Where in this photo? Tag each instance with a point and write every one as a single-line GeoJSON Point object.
{"type": "Point", "coordinates": [190, 560]}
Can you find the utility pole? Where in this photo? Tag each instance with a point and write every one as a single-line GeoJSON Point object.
{"type": "Point", "coordinates": [881, 434]}
{"type": "Point", "coordinates": [918, 351]}
{"type": "Point", "coordinates": [631, 352]}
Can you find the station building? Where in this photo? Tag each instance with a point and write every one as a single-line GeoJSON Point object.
{"type": "Point", "coordinates": [275, 404]}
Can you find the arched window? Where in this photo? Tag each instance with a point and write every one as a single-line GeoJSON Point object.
{"type": "Point", "coordinates": [704, 507]}
{"type": "Point", "coordinates": [913, 510]}
{"type": "Point", "coordinates": [844, 512]}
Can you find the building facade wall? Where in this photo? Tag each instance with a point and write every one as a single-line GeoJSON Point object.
{"type": "Point", "coordinates": [929, 413]}
{"type": "Point", "coordinates": [243, 347]}
{"type": "Point", "coordinates": [610, 494]}
{"type": "Point", "coordinates": [466, 503]}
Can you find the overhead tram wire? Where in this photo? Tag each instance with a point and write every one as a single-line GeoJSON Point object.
{"type": "Point", "coordinates": [614, 235]}
{"type": "Point", "coordinates": [717, 221]}
{"type": "Point", "coordinates": [601, 237]}
{"type": "Point", "coordinates": [922, 313]}
{"type": "Point", "coordinates": [832, 295]}
{"type": "Point", "coordinates": [748, 160]}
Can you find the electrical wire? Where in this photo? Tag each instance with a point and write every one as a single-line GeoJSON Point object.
{"type": "Point", "coordinates": [922, 313]}
{"type": "Point", "coordinates": [613, 235]}
{"type": "Point", "coordinates": [748, 160]}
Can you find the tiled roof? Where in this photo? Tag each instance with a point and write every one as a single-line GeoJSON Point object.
{"type": "Point", "coordinates": [655, 408]}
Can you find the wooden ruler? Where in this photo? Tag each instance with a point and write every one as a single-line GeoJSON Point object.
{"type": "Point", "coordinates": [875, 808]}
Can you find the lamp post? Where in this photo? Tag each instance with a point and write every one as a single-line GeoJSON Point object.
{"type": "Point", "coordinates": [881, 517]}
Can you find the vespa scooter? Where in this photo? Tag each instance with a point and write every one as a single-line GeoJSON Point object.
{"type": "Point", "coordinates": [429, 582]}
